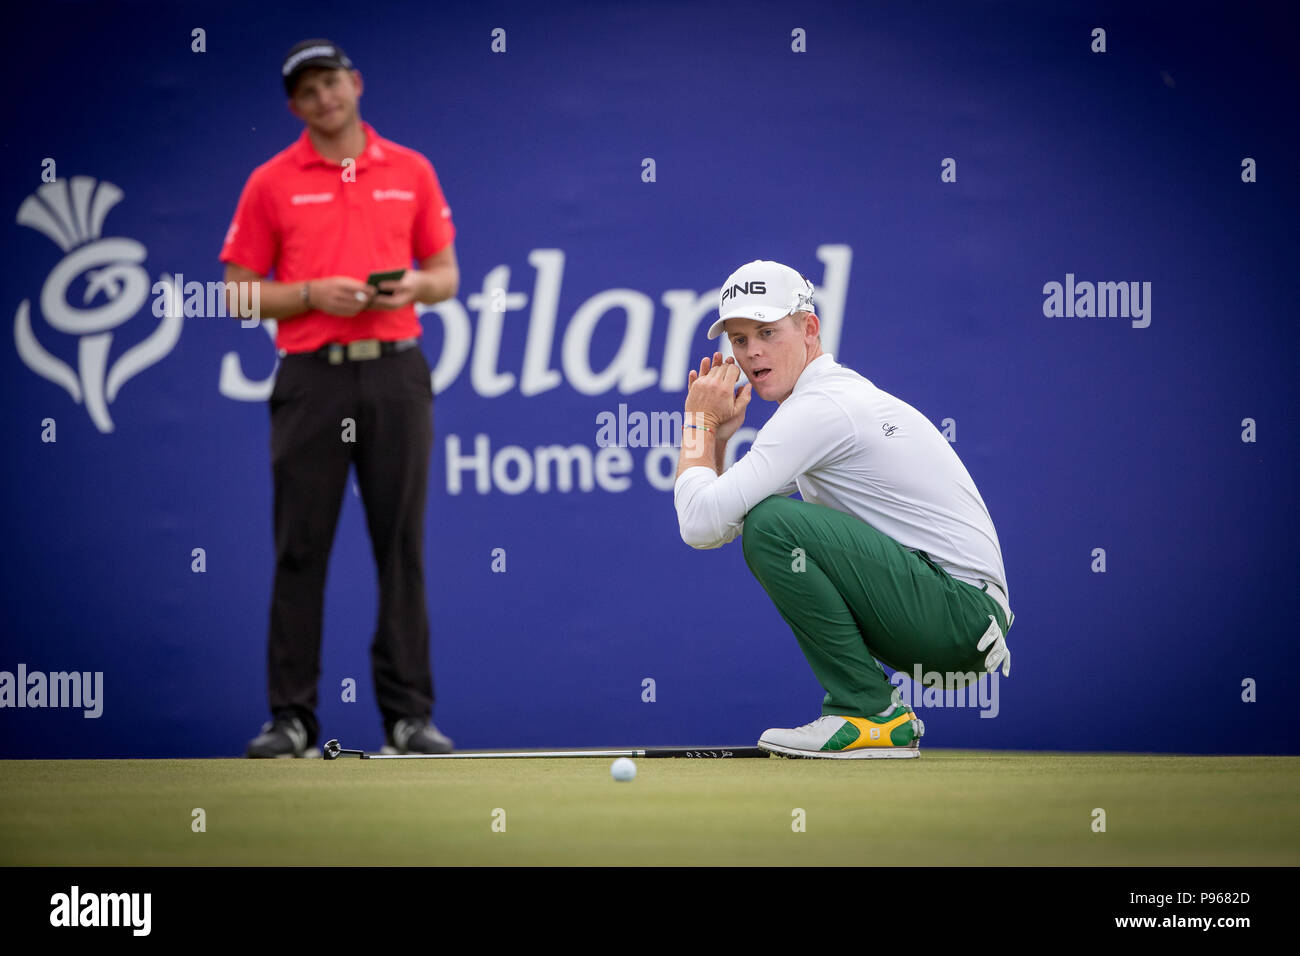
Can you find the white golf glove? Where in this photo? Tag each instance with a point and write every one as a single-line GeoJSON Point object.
{"type": "Point", "coordinates": [996, 643]}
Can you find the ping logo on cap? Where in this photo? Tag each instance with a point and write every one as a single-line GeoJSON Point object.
{"type": "Point", "coordinates": [744, 288]}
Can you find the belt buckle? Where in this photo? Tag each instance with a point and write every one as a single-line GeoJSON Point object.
{"type": "Point", "coordinates": [363, 349]}
{"type": "Point", "coordinates": [335, 354]}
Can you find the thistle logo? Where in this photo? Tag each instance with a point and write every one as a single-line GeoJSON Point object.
{"type": "Point", "coordinates": [72, 213]}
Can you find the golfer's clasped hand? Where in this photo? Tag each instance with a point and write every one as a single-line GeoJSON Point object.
{"type": "Point", "coordinates": [712, 400]}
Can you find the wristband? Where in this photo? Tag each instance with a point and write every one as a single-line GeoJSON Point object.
{"type": "Point", "coordinates": [703, 428]}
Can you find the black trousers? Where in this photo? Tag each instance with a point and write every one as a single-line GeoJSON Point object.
{"type": "Point", "coordinates": [389, 401]}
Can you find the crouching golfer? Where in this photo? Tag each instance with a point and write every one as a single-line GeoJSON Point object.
{"type": "Point", "coordinates": [891, 555]}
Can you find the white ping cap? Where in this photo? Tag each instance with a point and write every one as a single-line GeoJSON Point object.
{"type": "Point", "coordinates": [764, 291]}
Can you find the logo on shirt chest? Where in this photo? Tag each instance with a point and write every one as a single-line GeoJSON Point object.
{"type": "Point", "coordinates": [400, 195]}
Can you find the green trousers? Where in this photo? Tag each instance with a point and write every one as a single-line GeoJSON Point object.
{"type": "Point", "coordinates": [854, 596]}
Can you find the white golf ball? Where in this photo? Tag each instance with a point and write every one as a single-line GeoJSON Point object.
{"type": "Point", "coordinates": [622, 769]}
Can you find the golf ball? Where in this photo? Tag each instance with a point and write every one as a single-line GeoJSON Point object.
{"type": "Point", "coordinates": [622, 769]}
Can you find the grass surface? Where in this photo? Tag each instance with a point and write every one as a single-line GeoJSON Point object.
{"type": "Point", "coordinates": [946, 808]}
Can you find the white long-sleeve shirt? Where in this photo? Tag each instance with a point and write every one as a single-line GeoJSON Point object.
{"type": "Point", "coordinates": [846, 444]}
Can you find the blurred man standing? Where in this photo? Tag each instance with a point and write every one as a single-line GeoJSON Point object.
{"type": "Point", "coordinates": [353, 387]}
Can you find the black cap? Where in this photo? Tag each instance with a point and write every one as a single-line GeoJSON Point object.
{"type": "Point", "coordinates": [309, 53]}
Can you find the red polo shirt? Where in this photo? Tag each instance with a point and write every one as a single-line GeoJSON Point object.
{"type": "Point", "coordinates": [300, 219]}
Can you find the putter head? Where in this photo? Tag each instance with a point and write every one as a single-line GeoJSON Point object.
{"type": "Point", "coordinates": [331, 750]}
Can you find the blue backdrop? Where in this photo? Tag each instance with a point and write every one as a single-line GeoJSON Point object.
{"type": "Point", "coordinates": [1124, 434]}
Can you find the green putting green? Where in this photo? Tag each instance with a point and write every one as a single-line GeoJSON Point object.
{"type": "Point", "coordinates": [948, 807]}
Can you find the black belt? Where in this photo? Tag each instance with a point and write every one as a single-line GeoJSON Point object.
{"type": "Point", "coordinates": [361, 350]}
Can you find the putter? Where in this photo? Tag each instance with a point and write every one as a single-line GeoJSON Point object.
{"type": "Point", "coordinates": [332, 750]}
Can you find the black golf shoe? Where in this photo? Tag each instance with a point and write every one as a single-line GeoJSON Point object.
{"type": "Point", "coordinates": [282, 737]}
{"type": "Point", "coordinates": [413, 736]}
